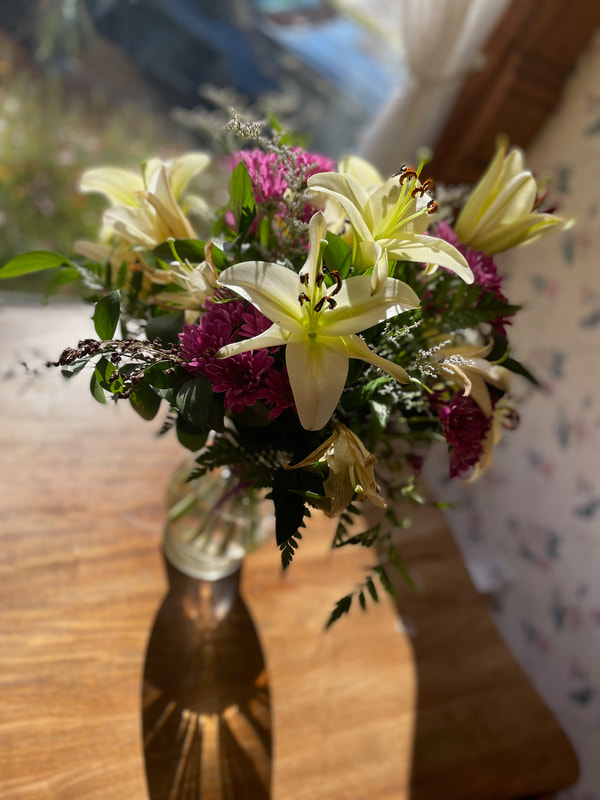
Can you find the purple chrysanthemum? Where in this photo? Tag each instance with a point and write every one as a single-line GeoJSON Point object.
{"type": "Point", "coordinates": [465, 427]}
{"type": "Point", "coordinates": [243, 378]}
{"type": "Point", "coordinates": [277, 392]}
{"type": "Point", "coordinates": [484, 271]}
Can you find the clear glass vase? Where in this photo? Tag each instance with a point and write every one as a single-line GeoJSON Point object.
{"type": "Point", "coordinates": [213, 522]}
{"type": "Point", "coordinates": [206, 712]}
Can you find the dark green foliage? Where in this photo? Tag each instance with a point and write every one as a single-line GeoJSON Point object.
{"type": "Point", "coordinates": [194, 401]}
{"type": "Point", "coordinates": [190, 436]}
{"type": "Point", "coordinates": [290, 488]}
{"type": "Point", "coordinates": [288, 549]}
{"type": "Point", "coordinates": [145, 401]}
{"type": "Point", "coordinates": [166, 327]}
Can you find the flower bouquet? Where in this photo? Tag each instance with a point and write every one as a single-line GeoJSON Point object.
{"type": "Point", "coordinates": [322, 320]}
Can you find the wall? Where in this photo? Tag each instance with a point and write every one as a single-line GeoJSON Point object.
{"type": "Point", "coordinates": [530, 529]}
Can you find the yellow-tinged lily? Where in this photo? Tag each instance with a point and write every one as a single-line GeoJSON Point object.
{"type": "Point", "coordinates": [318, 324]}
{"type": "Point", "coordinates": [145, 208]}
{"type": "Point", "coordinates": [500, 212]}
{"type": "Point", "coordinates": [388, 221]}
{"type": "Point", "coordinates": [350, 470]}
{"type": "Point", "coordinates": [503, 417]}
{"type": "Point", "coordinates": [465, 365]}
{"type": "Point", "coordinates": [198, 283]}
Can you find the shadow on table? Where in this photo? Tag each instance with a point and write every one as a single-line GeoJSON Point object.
{"type": "Point", "coordinates": [206, 712]}
{"type": "Point", "coordinates": [481, 731]}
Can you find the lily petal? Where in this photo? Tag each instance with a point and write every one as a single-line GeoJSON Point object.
{"type": "Point", "coordinates": [317, 231]}
{"type": "Point", "coordinates": [132, 225]}
{"type": "Point", "coordinates": [317, 369]}
{"type": "Point", "coordinates": [118, 185]}
{"type": "Point", "coordinates": [183, 169]}
{"type": "Point", "coordinates": [358, 309]}
{"type": "Point", "coordinates": [364, 172]}
{"type": "Point", "coordinates": [160, 196]}
{"type": "Point", "coordinates": [483, 193]}
{"type": "Point", "coordinates": [272, 337]}
{"type": "Point", "coordinates": [358, 348]}
{"type": "Point", "coordinates": [521, 231]}
{"type": "Point", "coordinates": [429, 249]}
{"type": "Point", "coordinates": [273, 289]}
{"type": "Point", "coordinates": [515, 199]}
{"type": "Point", "coordinates": [349, 194]}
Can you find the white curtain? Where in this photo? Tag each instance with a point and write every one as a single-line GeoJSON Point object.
{"type": "Point", "coordinates": [441, 39]}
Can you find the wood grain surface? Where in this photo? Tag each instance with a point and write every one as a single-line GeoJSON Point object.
{"type": "Point", "coordinates": [362, 712]}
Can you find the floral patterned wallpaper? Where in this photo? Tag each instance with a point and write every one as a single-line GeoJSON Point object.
{"type": "Point", "coordinates": [530, 528]}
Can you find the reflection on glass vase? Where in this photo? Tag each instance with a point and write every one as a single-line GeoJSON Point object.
{"type": "Point", "coordinates": [206, 711]}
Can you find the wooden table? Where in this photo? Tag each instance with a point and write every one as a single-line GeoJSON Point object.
{"type": "Point", "coordinates": [362, 712]}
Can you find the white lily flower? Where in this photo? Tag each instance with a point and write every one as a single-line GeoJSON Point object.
{"type": "Point", "coordinates": [468, 368]}
{"type": "Point", "coordinates": [391, 218]}
{"type": "Point", "coordinates": [318, 325]}
{"type": "Point", "coordinates": [500, 212]}
{"type": "Point", "coordinates": [197, 282]}
{"type": "Point", "coordinates": [145, 209]}
{"type": "Point", "coordinates": [120, 186]}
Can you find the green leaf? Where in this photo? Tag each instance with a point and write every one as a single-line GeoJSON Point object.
{"type": "Point", "coordinates": [189, 436]}
{"type": "Point", "coordinates": [75, 367]}
{"type": "Point", "coordinates": [34, 261]}
{"type": "Point", "coordinates": [241, 198]}
{"type": "Point", "coordinates": [156, 375]}
{"type": "Point", "coordinates": [96, 389]}
{"type": "Point", "coordinates": [106, 315]}
{"type": "Point", "coordinates": [107, 376]}
{"type": "Point", "coordinates": [145, 401]}
{"type": "Point", "coordinates": [515, 366]}
{"type": "Point", "coordinates": [194, 401]}
{"type": "Point", "coordinates": [338, 255]}
{"type": "Point", "coordinates": [166, 327]}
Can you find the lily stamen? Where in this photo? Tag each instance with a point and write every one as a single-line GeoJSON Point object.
{"type": "Point", "coordinates": [408, 173]}
{"type": "Point", "coordinates": [303, 298]}
{"type": "Point", "coordinates": [338, 281]}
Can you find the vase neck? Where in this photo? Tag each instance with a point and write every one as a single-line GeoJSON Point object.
{"type": "Point", "coordinates": [206, 601]}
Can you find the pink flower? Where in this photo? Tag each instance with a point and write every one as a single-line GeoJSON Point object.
{"type": "Point", "coordinates": [245, 378]}
{"type": "Point", "coordinates": [270, 174]}
{"type": "Point", "coordinates": [465, 427]}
